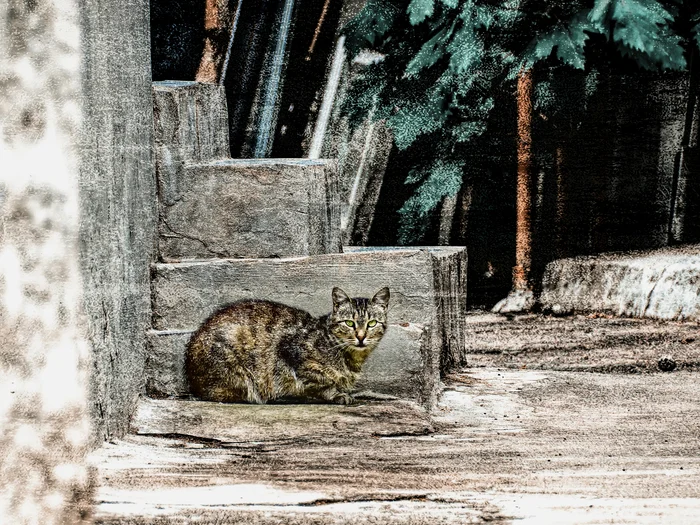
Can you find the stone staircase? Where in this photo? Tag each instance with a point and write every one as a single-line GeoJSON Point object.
{"type": "Point", "coordinates": [533, 432]}
{"type": "Point", "coordinates": [231, 229]}
{"type": "Point", "coordinates": [265, 228]}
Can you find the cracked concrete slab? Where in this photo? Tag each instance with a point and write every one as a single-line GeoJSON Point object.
{"type": "Point", "coordinates": [243, 208]}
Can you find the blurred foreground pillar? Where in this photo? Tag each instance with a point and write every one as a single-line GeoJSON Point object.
{"type": "Point", "coordinates": [44, 424]}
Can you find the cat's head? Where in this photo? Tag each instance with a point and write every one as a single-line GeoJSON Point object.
{"type": "Point", "coordinates": [359, 322]}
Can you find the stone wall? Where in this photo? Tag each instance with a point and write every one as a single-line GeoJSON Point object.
{"type": "Point", "coordinates": [118, 203]}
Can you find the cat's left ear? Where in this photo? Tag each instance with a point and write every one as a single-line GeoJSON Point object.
{"type": "Point", "coordinates": [381, 298]}
{"type": "Point", "coordinates": [339, 297]}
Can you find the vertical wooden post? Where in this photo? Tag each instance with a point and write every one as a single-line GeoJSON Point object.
{"type": "Point", "coordinates": [447, 213]}
{"type": "Point", "coordinates": [523, 232]}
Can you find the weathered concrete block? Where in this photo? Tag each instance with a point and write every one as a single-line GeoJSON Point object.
{"type": "Point", "coordinates": [428, 288]}
{"type": "Point", "coordinates": [190, 121]}
{"type": "Point", "coordinates": [165, 362]}
{"type": "Point", "coordinates": [253, 208]}
{"type": "Point", "coordinates": [663, 284]}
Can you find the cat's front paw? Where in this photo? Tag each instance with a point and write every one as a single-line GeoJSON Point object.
{"type": "Point", "coordinates": [343, 399]}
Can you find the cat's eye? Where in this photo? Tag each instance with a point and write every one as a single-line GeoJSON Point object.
{"type": "Point", "coordinates": [372, 323]}
{"type": "Point", "coordinates": [350, 323]}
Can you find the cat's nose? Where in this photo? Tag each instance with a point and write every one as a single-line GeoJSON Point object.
{"type": "Point", "coordinates": [360, 339]}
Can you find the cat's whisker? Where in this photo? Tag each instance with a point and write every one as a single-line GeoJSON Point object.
{"type": "Point", "coordinates": [339, 345]}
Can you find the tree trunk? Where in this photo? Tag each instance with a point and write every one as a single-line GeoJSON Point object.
{"type": "Point", "coordinates": [559, 221]}
{"type": "Point", "coordinates": [218, 29]}
{"type": "Point", "coordinates": [522, 298]}
{"type": "Point", "coordinates": [523, 232]}
{"type": "Point", "coordinates": [447, 213]}
{"type": "Point", "coordinates": [465, 202]}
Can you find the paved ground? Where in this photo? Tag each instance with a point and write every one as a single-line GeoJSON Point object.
{"type": "Point", "coordinates": [525, 444]}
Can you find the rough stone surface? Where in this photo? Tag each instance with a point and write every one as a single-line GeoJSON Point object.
{"type": "Point", "coordinates": [662, 284]}
{"type": "Point", "coordinates": [252, 208]}
{"type": "Point", "coordinates": [165, 363]}
{"type": "Point", "coordinates": [427, 291]}
{"type": "Point", "coordinates": [118, 203]}
{"type": "Point", "coordinates": [191, 125]}
{"type": "Point", "coordinates": [505, 446]}
{"type": "Point", "coordinates": [516, 301]}
{"type": "Point", "coordinates": [233, 422]}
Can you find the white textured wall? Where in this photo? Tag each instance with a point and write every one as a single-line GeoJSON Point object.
{"type": "Point", "coordinates": [44, 428]}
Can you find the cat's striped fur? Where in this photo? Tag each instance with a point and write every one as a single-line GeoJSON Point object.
{"type": "Point", "coordinates": [257, 351]}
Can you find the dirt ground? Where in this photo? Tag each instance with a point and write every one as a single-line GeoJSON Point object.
{"type": "Point", "coordinates": [593, 343]}
{"type": "Point", "coordinates": [544, 426]}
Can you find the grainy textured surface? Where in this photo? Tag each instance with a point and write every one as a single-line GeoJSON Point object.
{"type": "Point", "coordinates": [190, 123]}
{"type": "Point", "coordinates": [591, 343]}
{"type": "Point", "coordinates": [407, 361]}
{"type": "Point", "coordinates": [118, 203]}
{"type": "Point", "coordinates": [504, 446]}
{"type": "Point", "coordinates": [165, 363]}
{"type": "Point", "coordinates": [252, 208]}
{"type": "Point", "coordinates": [663, 284]}
{"type": "Point", "coordinates": [233, 422]}
{"type": "Point", "coordinates": [44, 356]}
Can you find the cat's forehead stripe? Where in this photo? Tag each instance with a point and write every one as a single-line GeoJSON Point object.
{"type": "Point", "coordinates": [360, 304]}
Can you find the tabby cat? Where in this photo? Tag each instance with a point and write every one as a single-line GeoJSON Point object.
{"type": "Point", "coordinates": [257, 351]}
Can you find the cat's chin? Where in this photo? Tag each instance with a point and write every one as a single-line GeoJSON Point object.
{"type": "Point", "coordinates": [363, 348]}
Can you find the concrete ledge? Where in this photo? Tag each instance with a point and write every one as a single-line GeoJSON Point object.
{"type": "Point", "coordinates": [584, 342]}
{"type": "Point", "coordinates": [252, 208]}
{"type": "Point", "coordinates": [662, 284]}
{"type": "Point", "coordinates": [426, 322]}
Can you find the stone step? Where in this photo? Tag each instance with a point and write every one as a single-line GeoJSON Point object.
{"type": "Point", "coordinates": [191, 125]}
{"type": "Point", "coordinates": [660, 284]}
{"type": "Point", "coordinates": [428, 301]}
{"type": "Point", "coordinates": [235, 422]}
{"type": "Point", "coordinates": [252, 208]}
{"type": "Point", "coordinates": [214, 206]}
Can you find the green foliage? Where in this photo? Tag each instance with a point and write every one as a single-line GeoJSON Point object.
{"type": "Point", "coordinates": [642, 31]}
{"type": "Point", "coordinates": [442, 179]}
{"type": "Point", "coordinates": [419, 10]}
{"type": "Point", "coordinates": [569, 40]}
{"type": "Point", "coordinates": [695, 20]}
{"type": "Point", "coordinates": [444, 61]}
{"type": "Point", "coordinates": [374, 21]}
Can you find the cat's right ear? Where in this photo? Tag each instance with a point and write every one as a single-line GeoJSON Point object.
{"type": "Point", "coordinates": [381, 298]}
{"type": "Point", "coordinates": [339, 298]}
